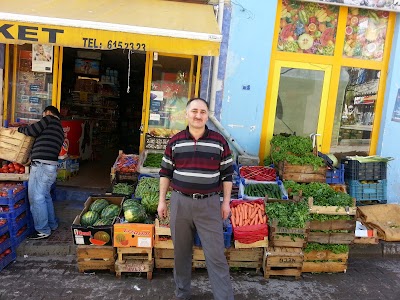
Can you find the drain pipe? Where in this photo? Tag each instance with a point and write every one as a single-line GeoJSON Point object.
{"type": "Point", "coordinates": [213, 93]}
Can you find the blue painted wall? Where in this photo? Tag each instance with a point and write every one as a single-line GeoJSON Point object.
{"type": "Point", "coordinates": [248, 55]}
{"type": "Point", "coordinates": [389, 142]}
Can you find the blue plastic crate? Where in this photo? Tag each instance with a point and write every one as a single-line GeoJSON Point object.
{"type": "Point", "coordinates": [5, 261]}
{"type": "Point", "coordinates": [14, 213]}
{"type": "Point", "coordinates": [368, 191]}
{"type": "Point", "coordinates": [335, 176]}
{"type": "Point", "coordinates": [16, 224]}
{"type": "Point", "coordinates": [4, 228]}
{"type": "Point", "coordinates": [17, 240]}
{"type": "Point", "coordinates": [355, 170]}
{"type": "Point", "coordinates": [11, 199]}
{"type": "Point", "coordinates": [227, 237]}
{"type": "Point", "coordinates": [5, 245]}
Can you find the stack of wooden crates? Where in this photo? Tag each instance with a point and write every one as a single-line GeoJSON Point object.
{"type": "Point", "coordinates": [285, 255]}
{"type": "Point", "coordinates": [329, 232]}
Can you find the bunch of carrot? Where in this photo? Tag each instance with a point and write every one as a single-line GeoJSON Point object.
{"type": "Point", "coordinates": [248, 213]}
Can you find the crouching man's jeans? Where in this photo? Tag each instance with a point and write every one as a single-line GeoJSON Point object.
{"type": "Point", "coordinates": [41, 178]}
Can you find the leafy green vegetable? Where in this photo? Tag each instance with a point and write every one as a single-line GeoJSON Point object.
{"type": "Point", "coordinates": [123, 189]}
{"type": "Point", "coordinates": [289, 215]}
{"type": "Point", "coordinates": [153, 160]}
{"type": "Point", "coordinates": [335, 248]}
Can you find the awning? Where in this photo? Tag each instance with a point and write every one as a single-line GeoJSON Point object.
{"type": "Point", "coordinates": [140, 25]}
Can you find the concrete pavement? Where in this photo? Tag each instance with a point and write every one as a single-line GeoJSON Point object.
{"type": "Point", "coordinates": [58, 278]}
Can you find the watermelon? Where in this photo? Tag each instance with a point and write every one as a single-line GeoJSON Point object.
{"type": "Point", "coordinates": [102, 222]}
{"type": "Point", "coordinates": [89, 218]}
{"type": "Point", "coordinates": [98, 205]}
{"type": "Point", "coordinates": [150, 202]}
{"type": "Point", "coordinates": [135, 214]}
{"type": "Point", "coordinates": [110, 211]}
{"type": "Point", "coordinates": [130, 202]}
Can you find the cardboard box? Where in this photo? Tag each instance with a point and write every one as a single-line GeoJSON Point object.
{"type": "Point", "coordinates": [86, 235]}
{"type": "Point", "coordinates": [133, 235]}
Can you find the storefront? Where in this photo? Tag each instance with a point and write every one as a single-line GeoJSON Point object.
{"type": "Point", "coordinates": [117, 75]}
{"type": "Point", "coordinates": [328, 75]}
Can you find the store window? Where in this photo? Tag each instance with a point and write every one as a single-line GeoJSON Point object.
{"type": "Point", "coordinates": [355, 110]}
{"type": "Point", "coordinates": [365, 34]}
{"type": "Point", "coordinates": [307, 28]}
{"type": "Point", "coordinates": [34, 81]}
{"type": "Point", "coordinates": [172, 86]}
{"type": "Point", "coordinates": [300, 88]}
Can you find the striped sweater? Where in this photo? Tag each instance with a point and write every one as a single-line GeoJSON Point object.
{"type": "Point", "coordinates": [49, 136]}
{"type": "Point", "coordinates": [197, 166]}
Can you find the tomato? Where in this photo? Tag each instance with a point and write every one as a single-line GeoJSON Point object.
{"type": "Point", "coordinates": [11, 170]}
{"type": "Point", "coordinates": [22, 169]}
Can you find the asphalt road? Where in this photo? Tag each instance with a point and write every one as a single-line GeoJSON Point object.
{"type": "Point", "coordinates": [58, 278]}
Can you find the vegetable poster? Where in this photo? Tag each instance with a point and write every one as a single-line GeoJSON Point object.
{"type": "Point", "coordinates": [392, 5]}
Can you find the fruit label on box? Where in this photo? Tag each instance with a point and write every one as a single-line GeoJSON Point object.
{"type": "Point", "coordinates": [133, 235]}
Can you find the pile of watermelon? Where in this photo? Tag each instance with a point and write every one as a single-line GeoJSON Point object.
{"type": "Point", "coordinates": [100, 213]}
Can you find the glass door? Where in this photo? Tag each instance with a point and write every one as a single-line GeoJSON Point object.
{"type": "Point", "coordinates": [170, 81]}
{"type": "Point", "coordinates": [299, 99]}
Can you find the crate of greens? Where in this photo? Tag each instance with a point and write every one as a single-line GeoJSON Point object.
{"type": "Point", "coordinates": [150, 161]}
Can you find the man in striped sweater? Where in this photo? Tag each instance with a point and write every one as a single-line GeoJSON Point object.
{"type": "Point", "coordinates": [49, 136]}
{"type": "Point", "coordinates": [197, 164]}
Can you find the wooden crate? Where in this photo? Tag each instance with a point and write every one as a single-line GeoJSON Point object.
{"type": "Point", "coordinates": [15, 147]}
{"type": "Point", "coordinates": [91, 258]}
{"type": "Point", "coordinates": [332, 210]}
{"type": "Point", "coordinates": [279, 236]}
{"type": "Point", "coordinates": [249, 258]}
{"type": "Point", "coordinates": [164, 258]}
{"type": "Point", "coordinates": [316, 236]}
{"type": "Point", "coordinates": [15, 177]}
{"type": "Point", "coordinates": [134, 253]}
{"type": "Point", "coordinates": [135, 266]}
{"type": "Point", "coordinates": [283, 261]}
{"type": "Point", "coordinates": [298, 173]}
{"type": "Point", "coordinates": [161, 232]}
{"type": "Point", "coordinates": [325, 262]}
{"type": "Point", "coordinates": [258, 244]}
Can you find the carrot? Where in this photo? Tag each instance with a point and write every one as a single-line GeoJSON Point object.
{"type": "Point", "coordinates": [254, 213]}
{"type": "Point", "coordinates": [240, 220]}
{"type": "Point", "coordinates": [245, 211]}
{"type": "Point", "coordinates": [260, 216]}
{"type": "Point", "coordinates": [265, 219]}
{"type": "Point", "coordinates": [233, 220]}
{"type": "Point", "coordinates": [253, 221]}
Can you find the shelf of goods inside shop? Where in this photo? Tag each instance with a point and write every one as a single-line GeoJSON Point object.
{"type": "Point", "coordinates": [7, 250]}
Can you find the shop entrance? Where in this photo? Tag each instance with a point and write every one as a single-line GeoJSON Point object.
{"type": "Point", "coordinates": [299, 98]}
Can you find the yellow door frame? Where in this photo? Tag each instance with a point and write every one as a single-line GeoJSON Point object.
{"type": "Point", "coordinates": [268, 129]}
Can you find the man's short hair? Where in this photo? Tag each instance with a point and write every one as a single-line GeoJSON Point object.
{"type": "Point", "coordinates": [193, 99]}
{"type": "Point", "coordinates": [54, 111]}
